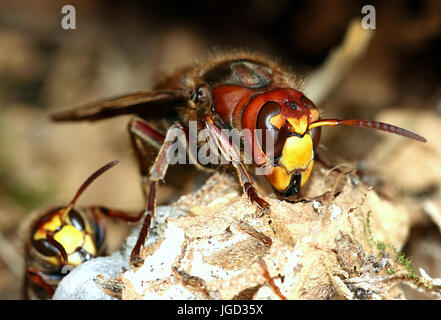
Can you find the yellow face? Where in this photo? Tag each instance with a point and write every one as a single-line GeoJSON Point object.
{"type": "Point", "coordinates": [65, 230]}
{"type": "Point", "coordinates": [295, 162]}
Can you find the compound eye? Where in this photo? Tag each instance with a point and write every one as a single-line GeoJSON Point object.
{"type": "Point", "coordinates": [315, 136]}
{"type": "Point", "coordinates": [268, 110]}
{"type": "Point", "coordinates": [277, 137]}
{"type": "Point", "coordinates": [45, 248]}
{"type": "Point", "coordinates": [77, 220]}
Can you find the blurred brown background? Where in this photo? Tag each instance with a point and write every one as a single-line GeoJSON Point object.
{"type": "Point", "coordinates": [119, 47]}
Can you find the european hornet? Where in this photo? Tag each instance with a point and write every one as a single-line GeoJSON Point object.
{"type": "Point", "coordinates": [236, 91]}
{"type": "Point", "coordinates": [63, 238]}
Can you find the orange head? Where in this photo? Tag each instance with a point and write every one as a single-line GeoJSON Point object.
{"type": "Point", "coordinates": [291, 128]}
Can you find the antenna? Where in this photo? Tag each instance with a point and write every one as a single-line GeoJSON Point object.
{"type": "Point", "coordinates": [89, 180]}
{"type": "Point", "coordinates": [368, 124]}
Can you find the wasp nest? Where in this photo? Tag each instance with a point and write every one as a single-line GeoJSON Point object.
{"type": "Point", "coordinates": [215, 245]}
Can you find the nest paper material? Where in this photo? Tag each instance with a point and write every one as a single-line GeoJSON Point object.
{"type": "Point", "coordinates": [218, 247]}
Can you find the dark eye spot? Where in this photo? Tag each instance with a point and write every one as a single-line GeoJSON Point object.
{"type": "Point", "coordinates": [202, 94]}
{"type": "Point", "coordinates": [76, 220]}
{"type": "Point", "coordinates": [45, 248]}
{"type": "Point", "coordinates": [307, 103]}
{"type": "Point", "coordinates": [291, 105]}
